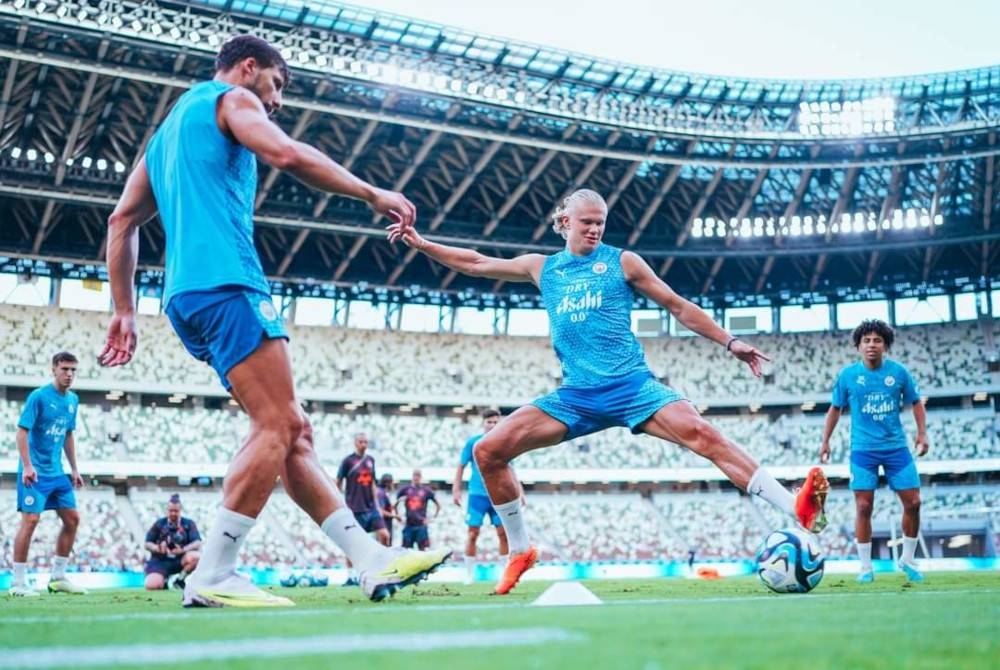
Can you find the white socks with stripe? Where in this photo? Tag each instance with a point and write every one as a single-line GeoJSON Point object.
{"type": "Point", "coordinates": [222, 545]}
{"type": "Point", "coordinates": [344, 529]}
{"type": "Point", "coordinates": [513, 523]}
{"type": "Point", "coordinates": [763, 485]}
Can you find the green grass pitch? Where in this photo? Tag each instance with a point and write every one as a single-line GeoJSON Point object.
{"type": "Point", "coordinates": [951, 620]}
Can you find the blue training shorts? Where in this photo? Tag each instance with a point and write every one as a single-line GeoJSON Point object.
{"type": "Point", "coordinates": [479, 506]}
{"type": "Point", "coordinates": [225, 325]}
{"type": "Point", "coordinates": [628, 402]}
{"type": "Point", "coordinates": [900, 469]}
{"type": "Point", "coordinates": [46, 493]}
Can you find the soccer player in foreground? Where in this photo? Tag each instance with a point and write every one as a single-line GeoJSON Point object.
{"type": "Point", "coordinates": [875, 389]}
{"type": "Point", "coordinates": [200, 173]}
{"type": "Point", "coordinates": [44, 431]}
{"type": "Point", "coordinates": [588, 290]}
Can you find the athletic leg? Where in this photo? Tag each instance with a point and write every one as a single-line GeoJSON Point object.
{"type": "Point", "coordinates": [526, 429]}
{"type": "Point", "coordinates": [680, 423]}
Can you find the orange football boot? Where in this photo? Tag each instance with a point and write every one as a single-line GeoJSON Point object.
{"type": "Point", "coordinates": [810, 500]}
{"type": "Point", "coordinates": [517, 566]}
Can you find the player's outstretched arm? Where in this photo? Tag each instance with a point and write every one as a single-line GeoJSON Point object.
{"type": "Point", "coordinates": [242, 116]}
{"type": "Point", "coordinates": [922, 444]}
{"type": "Point", "coordinates": [644, 280]}
{"type": "Point", "coordinates": [832, 417]}
{"type": "Point", "coordinates": [136, 206]}
{"type": "Point", "coordinates": [525, 268]}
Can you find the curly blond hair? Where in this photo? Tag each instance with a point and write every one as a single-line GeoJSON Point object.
{"type": "Point", "coordinates": [580, 195]}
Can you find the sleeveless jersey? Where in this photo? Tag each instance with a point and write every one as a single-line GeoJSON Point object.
{"type": "Point", "coordinates": [589, 303]}
{"type": "Point", "coordinates": [204, 185]}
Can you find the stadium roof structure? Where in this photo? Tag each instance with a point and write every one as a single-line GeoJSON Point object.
{"type": "Point", "coordinates": [731, 188]}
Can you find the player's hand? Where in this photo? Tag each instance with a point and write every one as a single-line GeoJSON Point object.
{"type": "Point", "coordinates": [922, 445]}
{"type": "Point", "coordinates": [122, 338]}
{"type": "Point", "coordinates": [749, 355]}
{"type": "Point", "coordinates": [163, 548]}
{"type": "Point", "coordinates": [394, 205]}
{"type": "Point", "coordinates": [29, 476]}
{"type": "Point", "coordinates": [824, 453]}
{"type": "Point", "coordinates": [76, 479]}
{"type": "Point", "coordinates": [457, 499]}
{"type": "Point", "coordinates": [407, 234]}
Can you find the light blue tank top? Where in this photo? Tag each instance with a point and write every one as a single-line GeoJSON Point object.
{"type": "Point", "coordinates": [204, 186]}
{"type": "Point", "coordinates": [589, 303]}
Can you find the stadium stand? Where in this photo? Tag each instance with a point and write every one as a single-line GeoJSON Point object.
{"type": "Point", "coordinates": [942, 358]}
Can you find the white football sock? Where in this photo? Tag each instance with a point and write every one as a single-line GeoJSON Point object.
{"type": "Point", "coordinates": [59, 567]}
{"type": "Point", "coordinates": [222, 545]}
{"type": "Point", "coordinates": [344, 529]}
{"type": "Point", "coordinates": [909, 550]}
{"type": "Point", "coordinates": [20, 574]}
{"type": "Point", "coordinates": [470, 567]}
{"type": "Point", "coordinates": [764, 485]}
{"type": "Point", "coordinates": [513, 523]}
{"type": "Point", "coordinates": [865, 555]}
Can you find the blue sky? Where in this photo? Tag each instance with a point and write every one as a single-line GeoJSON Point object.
{"type": "Point", "coordinates": [798, 39]}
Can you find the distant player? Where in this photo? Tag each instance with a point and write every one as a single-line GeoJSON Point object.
{"type": "Point", "coordinates": [173, 542]}
{"type": "Point", "coordinates": [44, 433]}
{"type": "Point", "coordinates": [478, 506]}
{"type": "Point", "coordinates": [874, 389]}
{"type": "Point", "coordinates": [199, 173]}
{"type": "Point", "coordinates": [417, 496]}
{"type": "Point", "coordinates": [588, 289]}
{"type": "Point", "coordinates": [385, 490]}
{"type": "Point", "coordinates": [356, 478]}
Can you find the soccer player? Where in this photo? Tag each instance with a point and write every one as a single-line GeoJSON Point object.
{"type": "Point", "coordinates": [199, 173]}
{"type": "Point", "coordinates": [874, 390]}
{"type": "Point", "coordinates": [416, 496]}
{"type": "Point", "coordinates": [588, 289]}
{"type": "Point", "coordinates": [356, 478]}
{"type": "Point", "coordinates": [44, 433]}
{"type": "Point", "coordinates": [173, 542]}
{"type": "Point", "coordinates": [479, 505]}
{"type": "Point", "coordinates": [386, 486]}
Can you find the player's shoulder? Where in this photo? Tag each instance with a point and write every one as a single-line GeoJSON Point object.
{"type": "Point", "coordinates": [38, 393]}
{"type": "Point", "coordinates": [893, 365]}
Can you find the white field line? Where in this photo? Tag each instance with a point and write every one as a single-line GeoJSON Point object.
{"type": "Point", "coordinates": [226, 650]}
{"type": "Point", "coordinates": [357, 610]}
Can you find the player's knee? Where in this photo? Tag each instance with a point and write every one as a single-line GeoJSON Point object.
{"type": "Point", "coordinates": [704, 439]}
{"type": "Point", "coordinates": [190, 561]}
{"type": "Point", "coordinates": [911, 504]}
{"type": "Point", "coordinates": [154, 582]}
{"type": "Point", "coordinates": [487, 457]}
{"type": "Point", "coordinates": [864, 508]}
{"type": "Point", "coordinates": [30, 521]}
{"type": "Point", "coordinates": [71, 519]}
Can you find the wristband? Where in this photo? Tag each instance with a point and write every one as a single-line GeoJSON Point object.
{"type": "Point", "coordinates": [729, 344]}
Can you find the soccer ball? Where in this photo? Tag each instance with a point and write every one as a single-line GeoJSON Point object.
{"type": "Point", "coordinates": [790, 561]}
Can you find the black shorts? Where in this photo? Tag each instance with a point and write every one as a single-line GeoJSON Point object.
{"type": "Point", "coordinates": [416, 535]}
{"type": "Point", "coordinates": [370, 521]}
{"type": "Point", "coordinates": [165, 567]}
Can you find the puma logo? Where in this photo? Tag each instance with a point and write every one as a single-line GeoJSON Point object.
{"type": "Point", "coordinates": [231, 537]}
{"type": "Point", "coordinates": [561, 273]}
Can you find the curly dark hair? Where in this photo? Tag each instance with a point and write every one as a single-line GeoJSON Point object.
{"type": "Point", "coordinates": [242, 47]}
{"type": "Point", "coordinates": [877, 326]}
